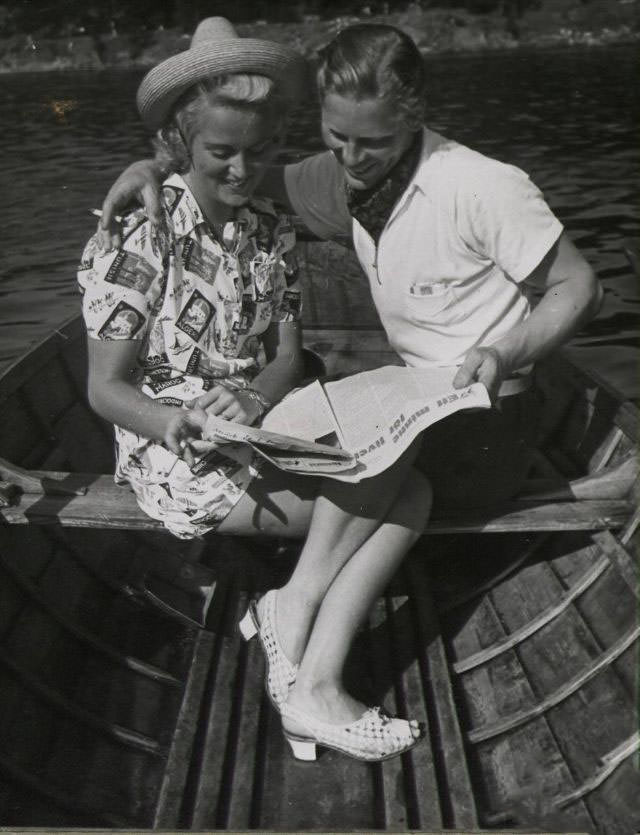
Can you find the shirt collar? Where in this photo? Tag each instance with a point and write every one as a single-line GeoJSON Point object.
{"type": "Point", "coordinates": [431, 143]}
{"type": "Point", "coordinates": [181, 205]}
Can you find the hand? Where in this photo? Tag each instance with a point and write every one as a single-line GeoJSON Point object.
{"type": "Point", "coordinates": [228, 404]}
{"type": "Point", "coordinates": [482, 365]}
{"type": "Point", "coordinates": [183, 430]}
{"type": "Point", "coordinates": [139, 183]}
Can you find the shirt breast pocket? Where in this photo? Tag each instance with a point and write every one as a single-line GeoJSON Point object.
{"type": "Point", "coordinates": [426, 302]}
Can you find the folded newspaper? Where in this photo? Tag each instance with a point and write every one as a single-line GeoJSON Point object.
{"type": "Point", "coordinates": [355, 427]}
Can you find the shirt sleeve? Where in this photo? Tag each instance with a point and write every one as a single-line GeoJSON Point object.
{"type": "Point", "coordinates": [315, 188]}
{"type": "Point", "coordinates": [116, 299]}
{"type": "Point", "coordinates": [502, 215]}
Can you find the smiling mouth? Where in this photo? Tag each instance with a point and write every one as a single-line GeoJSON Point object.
{"type": "Point", "coordinates": [359, 172]}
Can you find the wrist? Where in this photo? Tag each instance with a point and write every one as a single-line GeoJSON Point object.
{"type": "Point", "coordinates": [259, 403]}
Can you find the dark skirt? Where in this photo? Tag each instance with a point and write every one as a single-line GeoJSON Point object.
{"type": "Point", "coordinates": [479, 458]}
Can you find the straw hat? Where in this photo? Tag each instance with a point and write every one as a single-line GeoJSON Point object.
{"type": "Point", "coordinates": [216, 49]}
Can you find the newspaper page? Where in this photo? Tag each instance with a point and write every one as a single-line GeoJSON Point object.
{"type": "Point", "coordinates": [381, 412]}
{"type": "Point", "coordinates": [355, 427]}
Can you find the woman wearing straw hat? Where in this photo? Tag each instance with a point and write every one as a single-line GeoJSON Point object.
{"type": "Point", "coordinates": [201, 300]}
{"type": "Point", "coordinates": [452, 242]}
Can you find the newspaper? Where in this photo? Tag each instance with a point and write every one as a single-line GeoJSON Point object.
{"type": "Point", "coordinates": [355, 427]}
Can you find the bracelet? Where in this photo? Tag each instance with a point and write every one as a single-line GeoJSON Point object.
{"type": "Point", "coordinates": [259, 398]}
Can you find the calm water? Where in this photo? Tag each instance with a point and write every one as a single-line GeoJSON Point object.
{"type": "Point", "coordinates": [569, 118]}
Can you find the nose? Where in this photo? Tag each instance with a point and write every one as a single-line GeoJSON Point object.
{"type": "Point", "coordinates": [238, 165]}
{"type": "Point", "coordinates": [352, 154]}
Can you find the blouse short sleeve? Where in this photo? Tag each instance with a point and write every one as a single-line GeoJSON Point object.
{"type": "Point", "coordinates": [502, 215]}
{"type": "Point", "coordinates": [116, 285]}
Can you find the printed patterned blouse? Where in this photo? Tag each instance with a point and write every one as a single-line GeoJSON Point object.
{"type": "Point", "coordinates": [197, 308]}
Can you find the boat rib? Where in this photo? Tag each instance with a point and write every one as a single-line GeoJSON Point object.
{"type": "Point", "coordinates": [125, 736]}
{"type": "Point", "coordinates": [515, 638]}
{"type": "Point", "coordinates": [136, 665]}
{"type": "Point", "coordinates": [493, 729]}
{"type": "Point", "coordinates": [610, 762]}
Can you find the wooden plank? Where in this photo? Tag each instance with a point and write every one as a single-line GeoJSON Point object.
{"type": "Point", "coordinates": [457, 796]}
{"type": "Point", "coordinates": [551, 516]}
{"type": "Point", "coordinates": [167, 813]}
{"type": "Point", "coordinates": [579, 694]}
{"type": "Point", "coordinates": [123, 735]}
{"type": "Point", "coordinates": [611, 762]}
{"type": "Point", "coordinates": [95, 451]}
{"type": "Point", "coordinates": [568, 688]}
{"type": "Point", "coordinates": [66, 624]}
{"type": "Point", "coordinates": [536, 623]}
{"type": "Point", "coordinates": [77, 809]}
{"type": "Point", "coordinates": [245, 789]}
{"type": "Point", "coordinates": [21, 431]}
{"type": "Point", "coordinates": [609, 609]}
{"type": "Point", "coordinates": [49, 394]}
{"type": "Point", "coordinates": [68, 337]}
{"type": "Point", "coordinates": [107, 505]}
{"type": "Point", "coordinates": [619, 555]}
{"type": "Point", "coordinates": [388, 664]}
{"type": "Point", "coordinates": [522, 770]}
{"type": "Point", "coordinates": [214, 764]}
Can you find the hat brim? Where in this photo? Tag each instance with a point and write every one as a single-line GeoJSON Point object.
{"type": "Point", "coordinates": [163, 85]}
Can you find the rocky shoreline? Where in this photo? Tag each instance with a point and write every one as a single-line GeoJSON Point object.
{"type": "Point", "coordinates": [563, 23]}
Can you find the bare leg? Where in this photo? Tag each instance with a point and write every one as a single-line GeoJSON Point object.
{"type": "Point", "coordinates": [318, 689]}
{"type": "Point", "coordinates": [342, 518]}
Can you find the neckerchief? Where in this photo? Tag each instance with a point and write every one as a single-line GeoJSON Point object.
{"type": "Point", "coordinates": [372, 207]}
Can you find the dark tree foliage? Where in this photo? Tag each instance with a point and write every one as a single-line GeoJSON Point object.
{"type": "Point", "coordinates": [55, 17]}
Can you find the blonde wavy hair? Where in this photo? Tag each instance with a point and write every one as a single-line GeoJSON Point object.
{"type": "Point", "coordinates": [173, 140]}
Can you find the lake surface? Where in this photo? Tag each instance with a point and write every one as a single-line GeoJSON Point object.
{"type": "Point", "coordinates": [568, 117]}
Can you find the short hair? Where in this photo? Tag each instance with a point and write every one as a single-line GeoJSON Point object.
{"type": "Point", "coordinates": [374, 60]}
{"type": "Point", "coordinates": [174, 138]}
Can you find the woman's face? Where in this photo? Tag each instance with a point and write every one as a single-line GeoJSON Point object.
{"type": "Point", "coordinates": [231, 148]}
{"type": "Point", "coordinates": [365, 135]}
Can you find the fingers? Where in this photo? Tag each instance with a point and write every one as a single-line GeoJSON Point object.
{"type": "Point", "coordinates": [109, 230]}
{"type": "Point", "coordinates": [224, 403]}
{"type": "Point", "coordinates": [203, 447]}
{"type": "Point", "coordinates": [467, 372]}
{"type": "Point", "coordinates": [184, 428]}
{"type": "Point", "coordinates": [151, 199]}
{"type": "Point", "coordinates": [482, 365]}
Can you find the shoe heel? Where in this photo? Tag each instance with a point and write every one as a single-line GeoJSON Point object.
{"type": "Point", "coordinates": [302, 749]}
{"type": "Point", "coordinates": [247, 626]}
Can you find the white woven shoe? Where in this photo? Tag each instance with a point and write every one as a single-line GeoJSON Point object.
{"type": "Point", "coordinates": [281, 673]}
{"type": "Point", "coordinates": [375, 736]}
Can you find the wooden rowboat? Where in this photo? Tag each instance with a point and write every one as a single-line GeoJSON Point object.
{"type": "Point", "coordinates": [127, 698]}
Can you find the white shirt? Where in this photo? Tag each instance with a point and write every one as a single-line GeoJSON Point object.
{"type": "Point", "coordinates": [449, 268]}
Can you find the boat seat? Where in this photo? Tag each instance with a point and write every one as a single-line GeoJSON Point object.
{"type": "Point", "coordinates": [89, 500]}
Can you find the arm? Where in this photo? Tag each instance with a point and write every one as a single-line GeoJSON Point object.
{"type": "Point", "coordinates": [139, 183]}
{"type": "Point", "coordinates": [114, 394]}
{"type": "Point", "coordinates": [283, 371]}
{"type": "Point", "coordinates": [572, 297]}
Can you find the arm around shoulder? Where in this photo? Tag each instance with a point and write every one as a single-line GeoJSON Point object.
{"type": "Point", "coordinates": [138, 184]}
